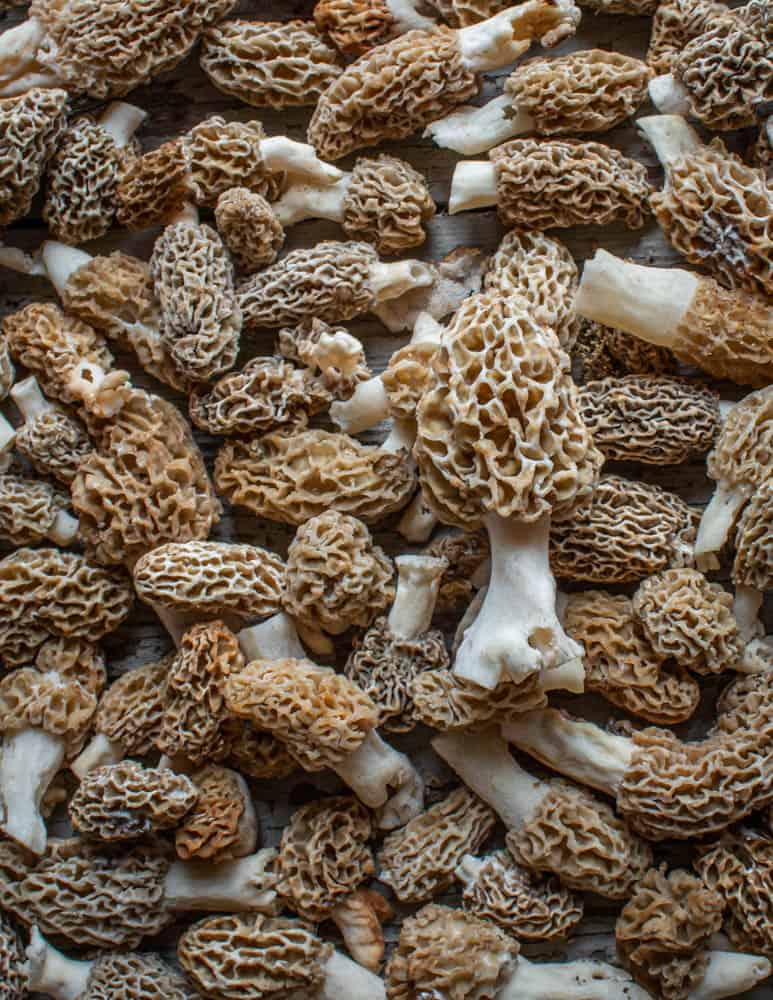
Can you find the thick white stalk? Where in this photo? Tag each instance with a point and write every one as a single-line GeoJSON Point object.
{"type": "Point", "coordinates": [720, 516]}
{"type": "Point", "coordinates": [175, 622]}
{"type": "Point", "coordinates": [470, 130]}
{"type": "Point", "coordinates": [101, 750]}
{"type": "Point", "coordinates": [187, 215]}
{"type": "Point", "coordinates": [426, 329]}
{"type": "Point", "coordinates": [473, 185]}
{"type": "Point", "coordinates": [64, 529]}
{"type": "Point", "coordinates": [729, 973]}
{"type": "Point", "coordinates": [669, 96]}
{"type": "Point", "coordinates": [121, 120]}
{"type": "Point", "coordinates": [17, 260]}
{"type": "Point", "coordinates": [19, 69]}
{"type": "Point", "coordinates": [49, 971]}
{"type": "Point", "coordinates": [401, 437]}
{"type": "Point", "coordinates": [570, 676]}
{"type": "Point", "coordinates": [418, 580]}
{"type": "Point", "coordinates": [484, 763]}
{"type": "Point", "coordinates": [29, 399]}
{"type": "Point", "coordinates": [582, 980]}
{"type": "Point", "coordinates": [274, 639]}
{"type": "Point", "coordinates": [230, 887]}
{"type": "Point", "coordinates": [501, 39]}
{"type": "Point", "coordinates": [312, 201]}
{"type": "Point", "coordinates": [746, 610]}
{"type": "Point", "coordinates": [367, 406]}
{"type": "Point", "coordinates": [390, 281]}
{"type": "Point", "coordinates": [7, 434]}
{"type": "Point", "coordinates": [517, 630]}
{"type": "Point", "coordinates": [670, 136]}
{"type": "Point", "coordinates": [346, 980]}
{"type": "Point", "coordinates": [648, 302]}
{"type": "Point", "coordinates": [61, 261]}
{"type": "Point", "coordinates": [29, 760]}
{"type": "Point", "coordinates": [280, 154]}
{"type": "Point", "coordinates": [383, 779]}
{"type": "Point", "coordinates": [418, 521]}
{"type": "Point", "coordinates": [580, 750]}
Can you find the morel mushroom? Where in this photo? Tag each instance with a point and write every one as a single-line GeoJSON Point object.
{"type": "Point", "coordinates": [383, 201]}
{"type": "Point", "coordinates": [54, 442]}
{"type": "Point", "coordinates": [32, 511]}
{"type": "Point", "coordinates": [517, 631]}
{"type": "Point", "coordinates": [753, 564]}
{"type": "Point", "coordinates": [156, 186]}
{"type": "Point", "coordinates": [74, 659]}
{"type": "Point", "coordinates": [7, 371]}
{"type": "Point", "coordinates": [449, 703]}
{"type": "Point", "coordinates": [12, 962]}
{"type": "Point", "coordinates": [604, 352]}
{"type": "Point", "coordinates": [727, 333]}
{"type": "Point", "coordinates": [549, 183]}
{"type": "Point", "coordinates": [397, 88]}
{"type": "Point", "coordinates": [249, 228]}
{"type": "Point", "coordinates": [222, 824]}
{"type": "Point", "coordinates": [583, 92]}
{"type": "Point", "coordinates": [676, 23]}
{"type": "Point", "coordinates": [331, 352]}
{"type": "Point", "coordinates": [553, 827]}
{"type": "Point", "coordinates": [30, 129]}
{"type": "Point", "coordinates": [714, 209]}
{"type": "Point", "coordinates": [467, 555]}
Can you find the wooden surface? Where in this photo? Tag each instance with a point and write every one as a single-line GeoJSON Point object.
{"type": "Point", "coordinates": [182, 98]}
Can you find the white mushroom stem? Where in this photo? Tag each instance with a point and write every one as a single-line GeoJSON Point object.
{"type": "Point", "coordinates": [101, 750]}
{"type": "Point", "coordinates": [517, 630]}
{"type": "Point", "coordinates": [720, 515]}
{"type": "Point", "coordinates": [30, 400]}
{"type": "Point", "coordinates": [669, 96]}
{"type": "Point", "coordinates": [360, 926]}
{"type": "Point", "coordinates": [470, 130]}
{"type": "Point", "coordinates": [746, 609]}
{"type": "Point", "coordinates": [418, 521]}
{"type": "Point", "coordinates": [346, 980]}
{"type": "Point", "coordinates": [367, 406]}
{"type": "Point", "coordinates": [729, 973]}
{"type": "Point", "coordinates": [585, 979]}
{"type": "Point", "coordinates": [406, 17]}
{"type": "Point", "coordinates": [121, 120]}
{"type": "Point", "coordinates": [648, 302]}
{"type": "Point", "coordinates": [7, 435]}
{"type": "Point", "coordinates": [484, 763]}
{"type": "Point", "coordinates": [580, 750]}
{"type": "Point", "coordinates": [383, 779]}
{"type": "Point", "coordinates": [186, 215]}
{"type": "Point", "coordinates": [301, 201]}
{"type": "Point", "coordinates": [670, 136]}
{"type": "Point", "coordinates": [390, 281]}
{"type": "Point", "coordinates": [176, 622]}
{"type": "Point", "coordinates": [473, 185]}
{"type": "Point", "coordinates": [418, 580]}
{"type": "Point", "coordinates": [501, 39]}
{"type": "Point", "coordinates": [64, 528]}
{"type": "Point", "coordinates": [282, 155]}
{"type": "Point", "coordinates": [61, 261]}
{"type": "Point", "coordinates": [19, 69]}
{"type": "Point", "coordinates": [230, 887]}
{"type": "Point", "coordinates": [29, 760]}
{"type": "Point", "coordinates": [49, 971]}
{"type": "Point", "coordinates": [17, 260]}
{"type": "Point", "coordinates": [274, 639]}
{"type": "Point", "coordinates": [401, 437]}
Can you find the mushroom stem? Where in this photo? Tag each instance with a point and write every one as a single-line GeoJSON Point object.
{"type": "Point", "coordinates": [101, 750]}
{"type": "Point", "coordinates": [648, 302]}
{"type": "Point", "coordinates": [669, 96]}
{"type": "Point", "coordinates": [175, 622]}
{"type": "Point", "coordinates": [468, 870]}
{"type": "Point", "coordinates": [49, 971]}
{"type": "Point", "coordinates": [29, 760]}
{"type": "Point", "coordinates": [274, 639]}
{"type": "Point", "coordinates": [29, 399]}
{"type": "Point", "coordinates": [345, 978]}
{"type": "Point", "coordinates": [188, 215]}
{"type": "Point", "coordinates": [484, 763]}
{"type": "Point", "coordinates": [580, 750]}
{"type": "Point", "coordinates": [19, 69]}
{"type": "Point", "coordinates": [280, 154]}
{"type": "Point", "coordinates": [473, 185]}
{"type": "Point", "coordinates": [418, 521]}
{"type": "Point", "coordinates": [729, 973]}
{"type": "Point", "coordinates": [367, 406]}
{"type": "Point", "coordinates": [407, 18]}
{"type": "Point", "coordinates": [501, 39]}
{"type": "Point", "coordinates": [581, 980]}
{"type": "Point", "coordinates": [418, 581]}
{"type": "Point", "coordinates": [720, 516]}
{"type": "Point", "coordinates": [390, 281]}
{"type": "Point", "coordinates": [570, 676]}
{"type": "Point", "coordinates": [229, 887]}
{"type": "Point", "coordinates": [64, 529]}
{"type": "Point", "coordinates": [746, 609]}
{"type": "Point", "coordinates": [517, 630]}
{"type": "Point", "coordinates": [470, 130]}
{"type": "Point", "coordinates": [312, 201]}
{"type": "Point", "coordinates": [670, 136]}
{"type": "Point", "coordinates": [401, 437]}
{"type": "Point", "coordinates": [360, 925]}
{"type": "Point", "coordinates": [7, 435]}
{"type": "Point", "coordinates": [61, 261]}
{"type": "Point", "coordinates": [383, 779]}
{"type": "Point", "coordinates": [121, 120]}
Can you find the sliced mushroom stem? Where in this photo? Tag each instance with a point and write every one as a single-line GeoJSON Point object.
{"type": "Point", "coordinates": [312, 201]}
{"type": "Point", "coordinates": [62, 261]}
{"type": "Point", "coordinates": [584, 979]}
{"type": "Point", "coordinates": [29, 399]}
{"type": "Point", "coordinates": [367, 406]}
{"type": "Point", "coordinates": [101, 750]}
{"type": "Point", "coordinates": [390, 281]}
{"type": "Point", "coordinates": [668, 95]}
{"type": "Point", "coordinates": [121, 120]}
{"type": "Point", "coordinates": [517, 631]}
{"type": "Point", "coordinates": [484, 763]}
{"type": "Point", "coordinates": [401, 437]}
{"type": "Point", "coordinates": [719, 516]}
{"type": "Point", "coordinates": [385, 780]}
{"type": "Point", "coordinates": [746, 609]}
{"type": "Point", "coordinates": [19, 69]}
{"type": "Point", "coordinates": [274, 639]}
{"type": "Point", "coordinates": [470, 130]}
{"type": "Point", "coordinates": [281, 154]}
{"type": "Point", "coordinates": [29, 760]}
{"type": "Point", "coordinates": [51, 972]}
{"type": "Point", "coordinates": [729, 973]}
{"type": "Point", "coordinates": [501, 39]}
{"type": "Point", "coordinates": [229, 887]}
{"type": "Point", "coordinates": [345, 978]}
{"type": "Point", "coordinates": [418, 521]}
{"type": "Point", "coordinates": [580, 750]}
{"type": "Point", "coordinates": [473, 185]}
{"type": "Point", "coordinates": [407, 17]}
{"type": "Point", "coordinates": [670, 136]}
{"type": "Point", "coordinates": [418, 581]}
{"type": "Point", "coordinates": [64, 529]}
{"type": "Point", "coordinates": [360, 926]}
{"type": "Point", "coordinates": [648, 302]}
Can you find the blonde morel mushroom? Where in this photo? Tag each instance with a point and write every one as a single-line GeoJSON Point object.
{"type": "Point", "coordinates": [550, 183]}
{"type": "Point", "coordinates": [584, 92]}
{"type": "Point", "coordinates": [447, 703]}
{"type": "Point", "coordinates": [466, 553]}
{"type": "Point", "coordinates": [293, 477]}
{"type": "Point", "coordinates": [403, 85]}
{"type": "Point", "coordinates": [74, 659]}
{"type": "Point", "coordinates": [32, 511]}
{"type": "Point", "coordinates": [714, 209]}
{"type": "Point", "coordinates": [31, 127]}
{"type": "Point", "coordinates": [249, 228]}
{"type": "Point", "coordinates": [603, 352]}
{"type": "Point", "coordinates": [126, 801]}
{"type": "Point", "coordinates": [753, 564]}
{"type": "Point", "coordinates": [54, 442]}
{"type": "Point", "coordinates": [520, 400]}
{"type": "Point", "coordinates": [355, 27]}
{"type": "Point", "coordinates": [15, 980]}
{"type": "Point", "coordinates": [257, 754]}
{"type": "Point", "coordinates": [653, 419]}
{"type": "Point", "coordinates": [222, 825]}
{"type": "Point", "coordinates": [331, 352]}
{"type": "Point", "coordinates": [227, 155]}
{"type": "Point", "coordinates": [674, 24]}
{"type": "Point", "coordinates": [156, 186]}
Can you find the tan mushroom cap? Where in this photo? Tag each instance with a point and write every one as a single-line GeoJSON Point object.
{"type": "Point", "coordinates": [663, 932]}
{"type": "Point", "coordinates": [46, 592]}
{"type": "Point", "coordinates": [222, 824]}
{"type": "Point", "coordinates": [139, 976]}
{"type": "Point", "coordinates": [528, 906]}
{"type": "Point", "coordinates": [604, 351]}
{"type": "Point", "coordinates": [753, 564]}
{"type": "Point", "coordinates": [689, 619]}
{"type": "Point", "coordinates": [155, 186]}
{"type": "Point", "coordinates": [31, 127]}
{"type": "Point", "coordinates": [465, 553]}
{"type": "Point", "coordinates": [194, 693]}
{"type": "Point", "coordinates": [293, 477]}
{"type": "Point", "coordinates": [227, 155]}
{"type": "Point", "coordinates": [419, 861]}
{"type": "Point", "coordinates": [588, 91]}
{"type": "Point", "coordinates": [74, 659]}
{"type": "Point", "coordinates": [446, 702]}
{"type": "Point", "coordinates": [131, 710]}
{"type": "Point", "coordinates": [13, 978]}
{"type": "Point", "coordinates": [622, 665]}
{"type": "Point", "coordinates": [249, 228]}
{"type": "Point", "coordinates": [445, 952]}
{"type": "Point", "coordinates": [387, 203]}
{"type": "Point", "coordinates": [521, 397]}
{"type": "Point", "coordinates": [354, 26]}
{"type": "Point", "coordinates": [267, 394]}
{"type": "Point", "coordinates": [319, 715]}
{"type": "Point", "coordinates": [544, 184]}
{"type": "Point", "coordinates": [50, 344]}
{"type": "Point", "coordinates": [324, 856]}
{"type": "Point", "coordinates": [336, 577]}
{"type": "Point", "coordinates": [214, 578]}
{"type": "Point", "coordinates": [654, 419]}
{"type": "Point", "coordinates": [674, 24]}
{"type": "Point", "coordinates": [406, 377]}
{"type": "Point", "coordinates": [28, 509]}
{"type": "Point", "coordinates": [257, 754]}
{"type": "Point", "coordinates": [88, 895]}
{"type": "Point", "coordinates": [58, 705]}
{"type": "Point", "coordinates": [54, 443]}
{"type": "Point", "coordinates": [742, 457]}
{"type": "Point", "coordinates": [542, 270]}
{"type": "Point", "coordinates": [333, 352]}
{"type": "Point", "coordinates": [125, 801]}
{"type": "Point", "coordinates": [252, 957]}
{"type": "Point", "coordinates": [628, 530]}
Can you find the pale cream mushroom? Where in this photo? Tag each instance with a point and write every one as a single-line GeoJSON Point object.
{"type": "Point", "coordinates": [54, 442]}
{"type": "Point", "coordinates": [222, 825]}
{"type": "Point", "coordinates": [30, 128]}
{"type": "Point", "coordinates": [337, 357]}
{"type": "Point", "coordinates": [12, 962]}
{"type": "Point", "coordinates": [32, 511]}
{"type": "Point", "coordinates": [249, 228]}
{"type": "Point", "coordinates": [674, 24]}
{"type": "Point", "coordinates": [753, 565]}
